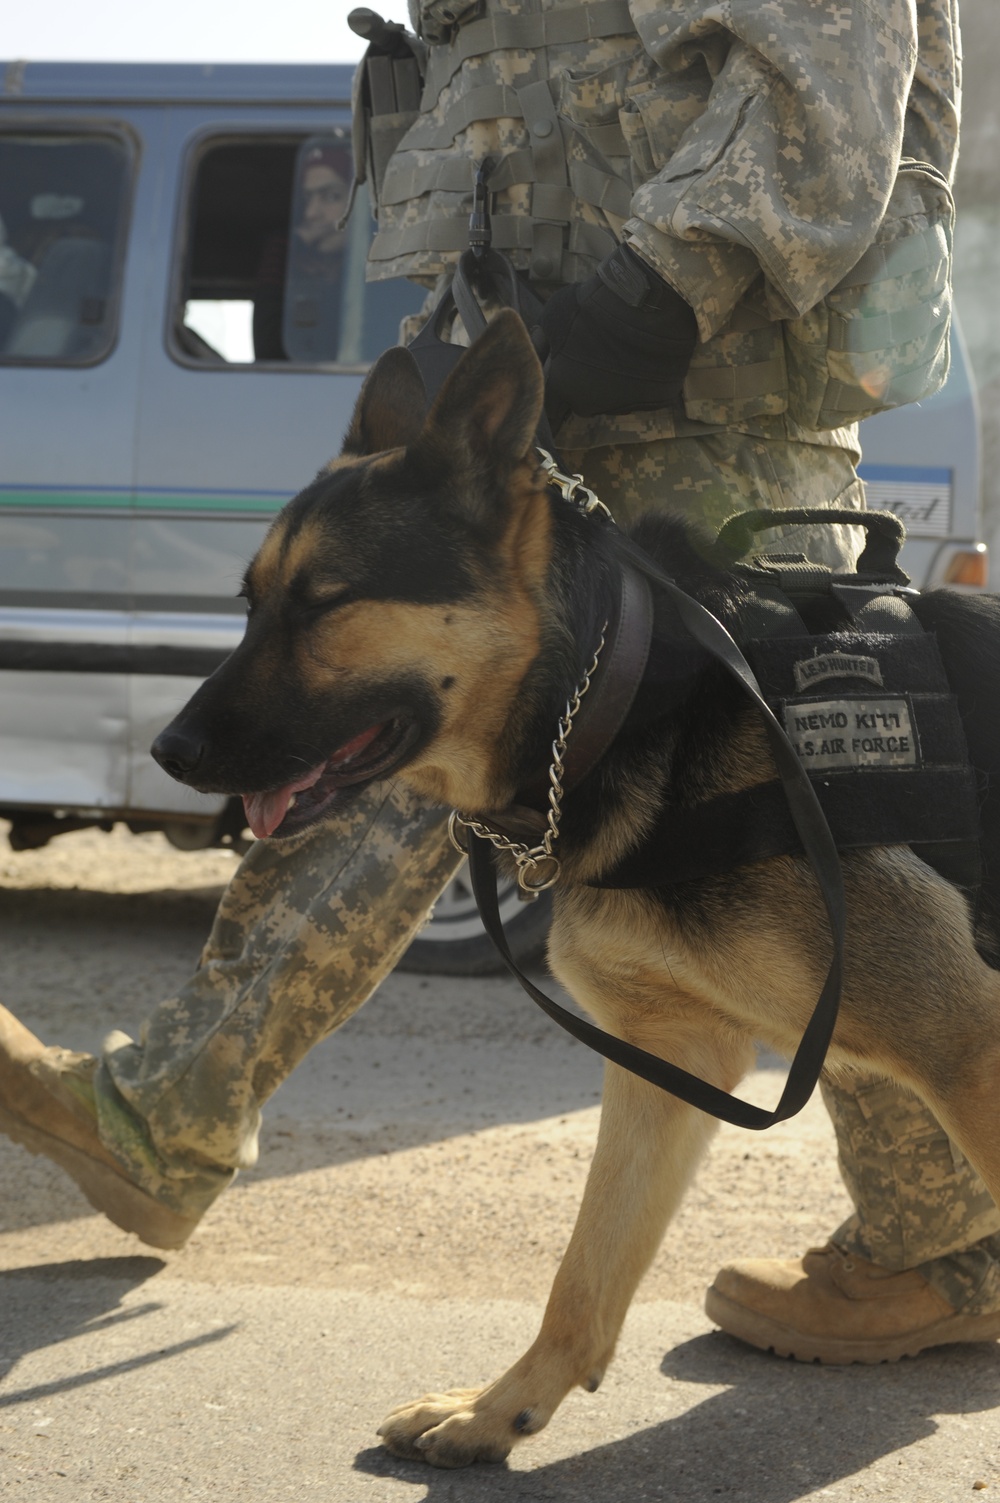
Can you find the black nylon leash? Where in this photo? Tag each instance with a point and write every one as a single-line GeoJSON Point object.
{"type": "Point", "coordinates": [821, 852]}
{"type": "Point", "coordinates": [488, 274]}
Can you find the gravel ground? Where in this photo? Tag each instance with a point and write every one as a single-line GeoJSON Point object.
{"type": "Point", "coordinates": [418, 1179]}
{"type": "Point", "coordinates": [384, 1127]}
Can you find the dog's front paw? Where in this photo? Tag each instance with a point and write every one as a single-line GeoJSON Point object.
{"type": "Point", "coordinates": [456, 1428]}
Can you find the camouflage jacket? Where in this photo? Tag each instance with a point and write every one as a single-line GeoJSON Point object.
{"type": "Point", "coordinates": [785, 164]}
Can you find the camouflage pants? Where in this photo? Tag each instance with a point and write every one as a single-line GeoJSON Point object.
{"type": "Point", "coordinates": [306, 930]}
{"type": "Point", "coordinates": [309, 927]}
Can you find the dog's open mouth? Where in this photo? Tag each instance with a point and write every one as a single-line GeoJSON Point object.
{"type": "Point", "coordinates": [367, 756]}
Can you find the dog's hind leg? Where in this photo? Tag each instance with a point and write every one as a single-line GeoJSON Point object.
{"type": "Point", "coordinates": [921, 1006]}
{"type": "Point", "coordinates": [966, 1099]}
{"type": "Point", "coordinates": [648, 1147]}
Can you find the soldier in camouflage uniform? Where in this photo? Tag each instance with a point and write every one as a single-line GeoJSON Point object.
{"type": "Point", "coordinates": [782, 170]}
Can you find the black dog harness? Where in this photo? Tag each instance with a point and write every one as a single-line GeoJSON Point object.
{"type": "Point", "coordinates": [868, 719]}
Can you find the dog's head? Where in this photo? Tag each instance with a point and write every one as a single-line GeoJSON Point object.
{"type": "Point", "coordinates": [394, 607]}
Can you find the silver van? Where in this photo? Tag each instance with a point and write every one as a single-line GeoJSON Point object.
{"type": "Point", "coordinates": [182, 338]}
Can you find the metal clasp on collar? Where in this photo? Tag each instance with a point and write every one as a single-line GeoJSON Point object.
{"type": "Point", "coordinates": [572, 488]}
{"type": "Point", "coordinates": [529, 861]}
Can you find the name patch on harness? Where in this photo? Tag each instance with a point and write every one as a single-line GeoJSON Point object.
{"type": "Point", "coordinates": [833, 735]}
{"type": "Point", "coordinates": [809, 671]}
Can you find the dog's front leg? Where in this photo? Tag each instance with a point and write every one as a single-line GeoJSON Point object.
{"type": "Point", "coordinates": [648, 1146]}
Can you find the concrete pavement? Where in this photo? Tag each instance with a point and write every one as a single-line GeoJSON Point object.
{"type": "Point", "coordinates": [418, 1179]}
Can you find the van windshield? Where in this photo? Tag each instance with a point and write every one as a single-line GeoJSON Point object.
{"type": "Point", "coordinates": [62, 212]}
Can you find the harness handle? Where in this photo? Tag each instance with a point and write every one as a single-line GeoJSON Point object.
{"type": "Point", "coordinates": [884, 532]}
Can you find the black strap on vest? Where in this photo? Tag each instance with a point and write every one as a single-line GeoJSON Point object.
{"type": "Point", "coordinates": [741, 829]}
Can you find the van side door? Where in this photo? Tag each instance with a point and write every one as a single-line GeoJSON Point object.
{"type": "Point", "coordinates": [267, 329]}
{"type": "Point", "coordinates": [77, 205]}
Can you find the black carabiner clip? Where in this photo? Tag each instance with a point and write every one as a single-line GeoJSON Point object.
{"type": "Point", "coordinates": [480, 228]}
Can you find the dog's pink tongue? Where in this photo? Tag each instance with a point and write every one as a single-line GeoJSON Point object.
{"type": "Point", "coordinates": [265, 811]}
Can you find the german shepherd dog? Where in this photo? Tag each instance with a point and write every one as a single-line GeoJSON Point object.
{"type": "Point", "coordinates": [423, 610]}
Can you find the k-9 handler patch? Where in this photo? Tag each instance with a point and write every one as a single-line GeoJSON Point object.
{"type": "Point", "coordinates": [833, 735]}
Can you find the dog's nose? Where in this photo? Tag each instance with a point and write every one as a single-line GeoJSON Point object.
{"type": "Point", "coordinates": [177, 752]}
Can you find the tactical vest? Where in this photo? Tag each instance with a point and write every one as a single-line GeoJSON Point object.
{"type": "Point", "coordinates": [562, 102]}
{"type": "Point", "coordinates": [870, 724]}
{"type": "Point", "coordinates": [566, 171]}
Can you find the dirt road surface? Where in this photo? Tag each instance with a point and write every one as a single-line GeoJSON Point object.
{"type": "Point", "coordinates": [418, 1180]}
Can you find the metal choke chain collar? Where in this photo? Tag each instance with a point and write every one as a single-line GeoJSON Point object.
{"type": "Point", "coordinates": [538, 866]}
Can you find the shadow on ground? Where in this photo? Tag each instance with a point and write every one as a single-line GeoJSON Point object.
{"type": "Point", "coordinates": [82, 1298]}
{"type": "Point", "coordinates": [778, 1432]}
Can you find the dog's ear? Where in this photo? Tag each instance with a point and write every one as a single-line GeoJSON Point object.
{"type": "Point", "coordinates": [391, 407]}
{"type": "Point", "coordinates": [485, 417]}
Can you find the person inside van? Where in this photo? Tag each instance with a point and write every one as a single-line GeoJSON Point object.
{"type": "Point", "coordinates": [54, 285]}
{"type": "Point", "coordinates": [297, 303]}
{"type": "Point", "coordinates": [17, 277]}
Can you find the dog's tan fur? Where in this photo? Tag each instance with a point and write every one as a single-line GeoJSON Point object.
{"type": "Point", "coordinates": [919, 1005]}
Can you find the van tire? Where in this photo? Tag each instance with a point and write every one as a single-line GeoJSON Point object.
{"type": "Point", "coordinates": [453, 941]}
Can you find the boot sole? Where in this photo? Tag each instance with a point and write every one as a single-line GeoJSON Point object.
{"type": "Point", "coordinates": [107, 1190]}
{"type": "Point", "coordinates": [771, 1336]}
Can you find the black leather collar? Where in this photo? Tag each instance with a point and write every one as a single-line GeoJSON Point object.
{"type": "Point", "coordinates": [613, 687]}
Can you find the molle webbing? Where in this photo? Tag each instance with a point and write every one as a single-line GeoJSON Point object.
{"type": "Point", "coordinates": [509, 234]}
{"type": "Point", "coordinates": [493, 101]}
{"type": "Point", "coordinates": [554, 28]}
{"type": "Point", "coordinates": [552, 236]}
{"type": "Point", "coordinates": [750, 383]}
{"type": "Point", "coordinates": [454, 175]}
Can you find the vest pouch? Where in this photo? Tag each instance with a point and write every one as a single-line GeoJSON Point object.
{"type": "Point", "coordinates": [385, 99]}
{"type": "Point", "coordinates": [880, 338]}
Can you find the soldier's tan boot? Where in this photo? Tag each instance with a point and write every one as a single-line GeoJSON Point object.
{"type": "Point", "coordinates": [47, 1105]}
{"type": "Point", "coordinates": [833, 1307]}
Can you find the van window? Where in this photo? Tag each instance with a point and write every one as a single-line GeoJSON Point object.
{"type": "Point", "coordinates": [269, 275]}
{"type": "Point", "coordinates": [62, 220]}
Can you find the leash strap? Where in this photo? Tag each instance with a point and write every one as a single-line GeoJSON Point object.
{"type": "Point", "coordinates": [435, 359]}
{"type": "Point", "coordinates": [490, 276]}
{"type": "Point", "coordinates": [818, 845]}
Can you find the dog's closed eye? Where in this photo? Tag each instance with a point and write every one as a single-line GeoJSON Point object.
{"type": "Point", "coordinates": [312, 609]}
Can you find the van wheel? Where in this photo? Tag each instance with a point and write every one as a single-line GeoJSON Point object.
{"type": "Point", "coordinates": [453, 941]}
